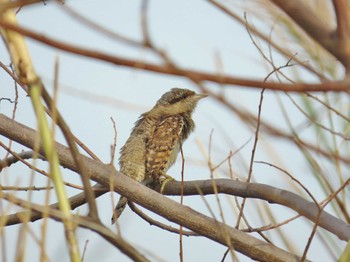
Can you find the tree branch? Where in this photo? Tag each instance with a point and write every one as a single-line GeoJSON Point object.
{"type": "Point", "coordinates": [107, 176]}
{"type": "Point", "coordinates": [268, 193]}
{"type": "Point", "coordinates": [75, 201]}
{"type": "Point", "coordinates": [321, 32]}
{"type": "Point", "coordinates": [24, 136]}
{"type": "Point", "coordinates": [85, 222]}
{"type": "Point", "coordinates": [177, 71]}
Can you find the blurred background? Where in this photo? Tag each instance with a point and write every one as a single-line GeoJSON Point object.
{"type": "Point", "coordinates": [195, 35]}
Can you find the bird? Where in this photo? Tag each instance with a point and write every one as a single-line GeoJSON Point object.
{"type": "Point", "coordinates": [156, 139]}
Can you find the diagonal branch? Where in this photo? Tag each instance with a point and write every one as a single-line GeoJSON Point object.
{"type": "Point", "coordinates": [98, 172]}
{"type": "Point", "coordinates": [107, 176]}
{"type": "Point", "coordinates": [177, 71]}
{"type": "Point", "coordinates": [321, 32]}
{"type": "Point", "coordinates": [341, 9]}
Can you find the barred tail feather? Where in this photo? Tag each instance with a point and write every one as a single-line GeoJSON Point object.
{"type": "Point", "coordinates": [119, 208]}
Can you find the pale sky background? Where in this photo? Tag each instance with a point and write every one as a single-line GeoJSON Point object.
{"type": "Point", "coordinates": [193, 33]}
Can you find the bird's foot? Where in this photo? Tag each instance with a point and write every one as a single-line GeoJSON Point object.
{"type": "Point", "coordinates": [164, 180]}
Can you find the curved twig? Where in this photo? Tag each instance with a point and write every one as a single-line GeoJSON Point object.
{"type": "Point", "coordinates": [156, 223]}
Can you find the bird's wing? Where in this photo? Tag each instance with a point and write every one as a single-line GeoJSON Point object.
{"type": "Point", "coordinates": [160, 145]}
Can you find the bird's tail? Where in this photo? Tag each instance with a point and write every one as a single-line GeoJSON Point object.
{"type": "Point", "coordinates": [119, 208]}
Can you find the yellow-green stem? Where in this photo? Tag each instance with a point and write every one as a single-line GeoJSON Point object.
{"type": "Point", "coordinates": [25, 71]}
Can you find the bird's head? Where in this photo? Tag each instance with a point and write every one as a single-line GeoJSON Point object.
{"type": "Point", "coordinates": [178, 101]}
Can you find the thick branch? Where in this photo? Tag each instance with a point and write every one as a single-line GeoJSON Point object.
{"type": "Point", "coordinates": [321, 32]}
{"type": "Point", "coordinates": [251, 190]}
{"type": "Point", "coordinates": [341, 12]}
{"type": "Point", "coordinates": [106, 175]}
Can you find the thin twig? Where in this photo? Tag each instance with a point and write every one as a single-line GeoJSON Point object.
{"type": "Point", "coordinates": [114, 146]}
{"type": "Point", "coordinates": [156, 223]}
{"type": "Point", "coordinates": [27, 188]}
{"type": "Point", "coordinates": [291, 177]}
{"type": "Point", "coordinates": [328, 106]}
{"type": "Point", "coordinates": [75, 153]}
{"type": "Point", "coordinates": [86, 222]}
{"type": "Point", "coordinates": [27, 155]}
{"type": "Point", "coordinates": [230, 155]}
{"type": "Point", "coordinates": [313, 120]}
{"type": "Point", "coordinates": [318, 218]}
{"type": "Point", "coordinates": [266, 39]}
{"type": "Point", "coordinates": [250, 119]}
{"type": "Point", "coordinates": [250, 172]}
{"type": "Point", "coordinates": [14, 106]}
{"type": "Point", "coordinates": [269, 227]}
{"type": "Point", "coordinates": [84, 250]}
{"type": "Point", "coordinates": [275, 69]}
{"type": "Point", "coordinates": [181, 254]}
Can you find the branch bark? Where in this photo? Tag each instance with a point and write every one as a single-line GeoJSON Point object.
{"type": "Point", "coordinates": [106, 175]}
{"type": "Point", "coordinates": [320, 31]}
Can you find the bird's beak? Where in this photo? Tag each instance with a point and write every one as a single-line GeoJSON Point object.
{"type": "Point", "coordinates": [200, 96]}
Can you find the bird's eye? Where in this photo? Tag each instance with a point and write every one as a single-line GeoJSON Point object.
{"type": "Point", "coordinates": [180, 95]}
{"type": "Point", "coordinates": [177, 99]}
{"type": "Point", "coordinates": [175, 95]}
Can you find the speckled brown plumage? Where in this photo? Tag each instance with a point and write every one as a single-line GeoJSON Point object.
{"type": "Point", "coordinates": [154, 142]}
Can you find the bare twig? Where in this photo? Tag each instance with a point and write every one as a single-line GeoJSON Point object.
{"type": "Point", "coordinates": [86, 222]}
{"type": "Point", "coordinates": [328, 106]}
{"type": "Point", "coordinates": [181, 255]}
{"type": "Point", "coordinates": [230, 155]}
{"type": "Point", "coordinates": [114, 146]}
{"type": "Point", "coordinates": [156, 223]}
{"type": "Point", "coordinates": [318, 218]}
{"type": "Point", "coordinates": [17, 81]}
{"type": "Point", "coordinates": [84, 251]}
{"type": "Point", "coordinates": [269, 227]}
{"type": "Point", "coordinates": [76, 155]}
{"type": "Point", "coordinates": [267, 39]}
{"type": "Point", "coordinates": [92, 25]}
{"type": "Point", "coordinates": [7, 162]}
{"type": "Point", "coordinates": [28, 188]}
{"type": "Point", "coordinates": [250, 172]}
{"type": "Point", "coordinates": [75, 201]}
{"type": "Point", "coordinates": [250, 120]}
{"type": "Point", "coordinates": [313, 120]}
{"type": "Point", "coordinates": [293, 178]}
